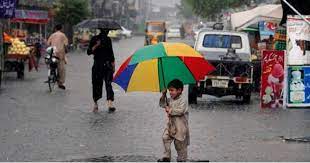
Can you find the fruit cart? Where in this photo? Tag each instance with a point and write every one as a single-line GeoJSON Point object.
{"type": "Point", "coordinates": [7, 10]}
{"type": "Point", "coordinates": [15, 63]}
{"type": "Point", "coordinates": [14, 59]}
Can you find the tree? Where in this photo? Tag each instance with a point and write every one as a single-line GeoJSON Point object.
{"type": "Point", "coordinates": [71, 12]}
{"type": "Point", "coordinates": [35, 4]}
{"type": "Point", "coordinates": [185, 9]}
{"type": "Point", "coordinates": [210, 8]}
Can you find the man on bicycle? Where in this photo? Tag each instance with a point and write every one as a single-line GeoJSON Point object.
{"type": "Point", "coordinates": [60, 41]}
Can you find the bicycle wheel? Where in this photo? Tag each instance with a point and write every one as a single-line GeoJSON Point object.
{"type": "Point", "coordinates": [51, 81]}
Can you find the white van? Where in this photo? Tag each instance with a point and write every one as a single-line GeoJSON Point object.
{"type": "Point", "coordinates": [229, 52]}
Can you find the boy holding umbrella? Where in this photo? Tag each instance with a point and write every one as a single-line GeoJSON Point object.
{"type": "Point", "coordinates": [177, 129]}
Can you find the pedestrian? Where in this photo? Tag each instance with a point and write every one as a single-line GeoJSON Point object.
{"type": "Point", "coordinates": [177, 129]}
{"type": "Point", "coordinates": [103, 68]}
{"type": "Point", "coordinates": [37, 51]}
{"type": "Point", "coordinates": [59, 40]}
{"type": "Point", "coordinates": [182, 31]}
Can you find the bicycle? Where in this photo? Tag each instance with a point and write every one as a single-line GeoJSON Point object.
{"type": "Point", "coordinates": [51, 61]}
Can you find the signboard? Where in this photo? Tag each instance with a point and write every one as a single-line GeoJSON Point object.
{"type": "Point", "coordinates": [298, 41]}
{"type": "Point", "coordinates": [298, 86]}
{"type": "Point", "coordinates": [31, 16]}
{"type": "Point", "coordinates": [7, 8]}
{"type": "Point", "coordinates": [266, 29]}
{"type": "Point", "coordinates": [298, 61]}
{"type": "Point", "coordinates": [272, 82]}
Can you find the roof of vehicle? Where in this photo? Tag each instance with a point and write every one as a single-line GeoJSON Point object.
{"type": "Point", "coordinates": [155, 21]}
{"type": "Point", "coordinates": [174, 26]}
{"type": "Point", "coordinates": [222, 32]}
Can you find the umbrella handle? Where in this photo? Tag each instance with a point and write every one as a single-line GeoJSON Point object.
{"type": "Point", "coordinates": [166, 99]}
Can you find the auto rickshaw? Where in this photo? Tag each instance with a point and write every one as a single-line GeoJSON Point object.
{"type": "Point", "coordinates": [155, 32]}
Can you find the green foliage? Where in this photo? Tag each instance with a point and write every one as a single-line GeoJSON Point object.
{"type": "Point", "coordinates": [36, 3]}
{"type": "Point", "coordinates": [71, 12]}
{"type": "Point", "coordinates": [185, 9]}
{"type": "Point", "coordinates": [210, 8]}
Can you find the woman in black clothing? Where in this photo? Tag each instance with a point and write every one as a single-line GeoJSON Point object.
{"type": "Point", "coordinates": [103, 68]}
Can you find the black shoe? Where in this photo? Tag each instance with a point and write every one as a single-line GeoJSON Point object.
{"type": "Point", "coordinates": [164, 159]}
{"type": "Point", "coordinates": [62, 87]}
{"type": "Point", "coordinates": [112, 109]}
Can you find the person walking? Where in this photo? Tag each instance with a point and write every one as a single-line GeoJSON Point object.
{"type": "Point", "coordinates": [60, 41]}
{"type": "Point", "coordinates": [37, 51]}
{"type": "Point", "coordinates": [100, 47]}
{"type": "Point", "coordinates": [182, 31]}
{"type": "Point", "coordinates": [177, 129]}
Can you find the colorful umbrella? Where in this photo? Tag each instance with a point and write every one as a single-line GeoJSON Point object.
{"type": "Point", "coordinates": [152, 67]}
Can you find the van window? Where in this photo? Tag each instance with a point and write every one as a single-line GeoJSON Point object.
{"type": "Point", "coordinates": [222, 41]}
{"type": "Point", "coordinates": [155, 28]}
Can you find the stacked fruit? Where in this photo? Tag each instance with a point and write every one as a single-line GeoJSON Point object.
{"type": "Point", "coordinates": [18, 47]}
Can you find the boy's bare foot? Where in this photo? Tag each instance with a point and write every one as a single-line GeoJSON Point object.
{"type": "Point", "coordinates": [95, 109]}
{"type": "Point", "coordinates": [164, 159]}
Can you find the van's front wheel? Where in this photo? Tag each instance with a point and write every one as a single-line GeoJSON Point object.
{"type": "Point", "coordinates": [192, 94]}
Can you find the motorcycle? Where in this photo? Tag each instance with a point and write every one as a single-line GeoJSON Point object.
{"type": "Point", "coordinates": [51, 60]}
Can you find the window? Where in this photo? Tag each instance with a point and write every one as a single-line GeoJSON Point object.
{"type": "Point", "coordinates": [222, 41]}
{"type": "Point", "coordinates": [155, 28]}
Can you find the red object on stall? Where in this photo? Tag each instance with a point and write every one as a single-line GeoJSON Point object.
{"type": "Point", "coordinates": [272, 79]}
{"type": "Point", "coordinates": [32, 63]}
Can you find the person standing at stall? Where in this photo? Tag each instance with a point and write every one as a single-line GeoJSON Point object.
{"type": "Point", "coordinates": [37, 50]}
{"type": "Point", "coordinates": [60, 41]}
{"type": "Point", "coordinates": [103, 68]}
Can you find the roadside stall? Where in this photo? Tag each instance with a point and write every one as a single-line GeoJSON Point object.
{"type": "Point", "coordinates": [16, 57]}
{"type": "Point", "coordinates": [298, 62]}
{"type": "Point", "coordinates": [261, 24]}
{"type": "Point", "coordinates": [28, 29]}
{"type": "Point", "coordinates": [35, 21]}
{"type": "Point", "coordinates": [7, 10]}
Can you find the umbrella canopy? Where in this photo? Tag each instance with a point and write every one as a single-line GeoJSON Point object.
{"type": "Point", "coordinates": [151, 68]}
{"type": "Point", "coordinates": [253, 16]}
{"type": "Point", "coordinates": [99, 23]}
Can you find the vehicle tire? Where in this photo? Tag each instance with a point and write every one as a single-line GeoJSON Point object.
{"type": "Point", "coordinates": [20, 74]}
{"type": "Point", "coordinates": [50, 84]}
{"type": "Point", "coordinates": [52, 81]}
{"type": "Point", "coordinates": [246, 99]}
{"type": "Point", "coordinates": [192, 94]}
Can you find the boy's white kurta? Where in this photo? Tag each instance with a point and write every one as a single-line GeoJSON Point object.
{"type": "Point", "coordinates": [177, 127]}
{"type": "Point", "coordinates": [178, 120]}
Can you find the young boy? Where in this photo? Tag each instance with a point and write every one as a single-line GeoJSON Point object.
{"type": "Point", "coordinates": [177, 126]}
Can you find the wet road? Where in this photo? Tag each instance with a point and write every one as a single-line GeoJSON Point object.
{"type": "Point", "coordinates": [38, 126]}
